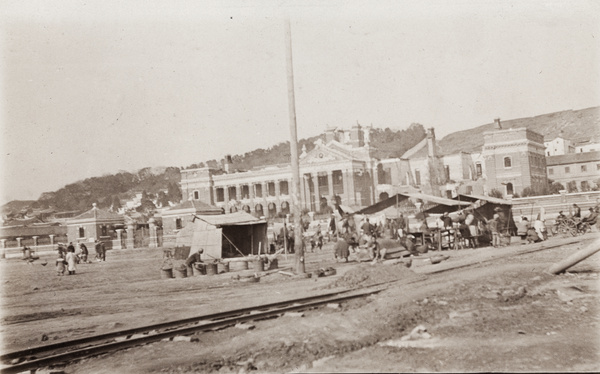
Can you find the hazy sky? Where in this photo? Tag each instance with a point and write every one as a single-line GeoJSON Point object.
{"type": "Point", "coordinates": [94, 87]}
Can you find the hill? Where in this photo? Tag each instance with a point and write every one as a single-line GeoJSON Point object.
{"type": "Point", "coordinates": [576, 125]}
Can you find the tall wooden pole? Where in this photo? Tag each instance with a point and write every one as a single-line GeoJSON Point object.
{"type": "Point", "coordinates": [296, 202]}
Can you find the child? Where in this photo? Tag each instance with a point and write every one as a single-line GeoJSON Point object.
{"type": "Point", "coordinates": [70, 258]}
{"type": "Point", "coordinates": [60, 264]}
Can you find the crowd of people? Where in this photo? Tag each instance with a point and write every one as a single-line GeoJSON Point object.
{"type": "Point", "coordinates": [67, 259]}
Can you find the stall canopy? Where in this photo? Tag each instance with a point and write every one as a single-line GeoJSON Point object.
{"type": "Point", "coordinates": [485, 207]}
{"type": "Point", "coordinates": [224, 235]}
{"type": "Point", "coordinates": [396, 199]}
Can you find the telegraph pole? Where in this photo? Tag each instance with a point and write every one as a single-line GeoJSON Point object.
{"type": "Point", "coordinates": [296, 202]}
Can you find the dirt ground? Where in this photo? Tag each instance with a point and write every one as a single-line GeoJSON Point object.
{"type": "Point", "coordinates": [505, 314]}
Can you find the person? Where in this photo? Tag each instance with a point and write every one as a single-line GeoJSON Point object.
{"type": "Point", "coordinates": [70, 247]}
{"type": "Point", "coordinates": [84, 253]}
{"type": "Point", "coordinates": [401, 226]}
{"type": "Point", "coordinates": [532, 236]}
{"type": "Point", "coordinates": [493, 226]}
{"type": "Point", "coordinates": [576, 211]}
{"type": "Point", "coordinates": [60, 262]}
{"type": "Point", "coordinates": [367, 228]}
{"type": "Point", "coordinates": [522, 228]}
{"type": "Point", "coordinates": [98, 248]}
{"type": "Point", "coordinates": [71, 260]}
{"type": "Point", "coordinates": [540, 228]}
{"type": "Point", "coordinates": [332, 226]}
{"type": "Point", "coordinates": [447, 220]}
{"type": "Point", "coordinates": [591, 218]}
{"type": "Point", "coordinates": [423, 228]}
{"type": "Point", "coordinates": [340, 249]}
{"type": "Point", "coordinates": [472, 223]}
{"type": "Point", "coordinates": [194, 258]}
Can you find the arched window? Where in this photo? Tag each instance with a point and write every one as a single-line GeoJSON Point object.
{"type": "Point", "coordinates": [81, 232]}
{"type": "Point", "coordinates": [509, 189]}
{"type": "Point", "coordinates": [258, 209]}
{"type": "Point", "coordinates": [383, 196]}
{"type": "Point", "coordinates": [507, 162]}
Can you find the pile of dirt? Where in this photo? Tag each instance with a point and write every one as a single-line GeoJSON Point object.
{"type": "Point", "coordinates": [367, 275]}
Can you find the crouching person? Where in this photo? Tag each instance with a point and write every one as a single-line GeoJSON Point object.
{"type": "Point", "coordinates": [195, 261]}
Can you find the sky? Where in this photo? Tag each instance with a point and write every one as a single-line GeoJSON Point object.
{"type": "Point", "coordinates": [95, 87]}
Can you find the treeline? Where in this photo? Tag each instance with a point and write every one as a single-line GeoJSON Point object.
{"type": "Point", "coordinates": [107, 191]}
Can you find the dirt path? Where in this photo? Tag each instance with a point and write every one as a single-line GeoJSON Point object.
{"type": "Point", "coordinates": [500, 315]}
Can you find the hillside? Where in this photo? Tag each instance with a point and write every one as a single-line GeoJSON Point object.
{"type": "Point", "coordinates": [577, 125]}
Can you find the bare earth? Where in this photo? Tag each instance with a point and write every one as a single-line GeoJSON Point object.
{"type": "Point", "coordinates": [506, 314]}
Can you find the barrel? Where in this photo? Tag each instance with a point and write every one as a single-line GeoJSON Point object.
{"type": "Point", "coordinates": [211, 269]}
{"type": "Point", "coordinates": [224, 267]}
{"type": "Point", "coordinates": [258, 264]}
{"type": "Point", "coordinates": [166, 273]}
{"type": "Point", "coordinates": [181, 273]}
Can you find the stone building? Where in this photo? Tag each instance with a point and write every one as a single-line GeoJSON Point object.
{"type": "Point", "coordinates": [97, 224]}
{"type": "Point", "coordinates": [575, 171]}
{"type": "Point", "coordinates": [515, 160]}
{"type": "Point", "coordinates": [341, 168]}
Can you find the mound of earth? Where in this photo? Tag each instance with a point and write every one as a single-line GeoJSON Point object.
{"type": "Point", "coordinates": [366, 274]}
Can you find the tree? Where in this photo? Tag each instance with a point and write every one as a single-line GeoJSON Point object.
{"type": "Point", "coordinates": [496, 193]}
{"type": "Point", "coordinates": [528, 191]}
{"type": "Point", "coordinates": [572, 187]}
{"type": "Point", "coordinates": [163, 200]}
{"type": "Point", "coordinates": [555, 187]}
{"type": "Point", "coordinates": [116, 203]}
{"type": "Point", "coordinates": [174, 193]}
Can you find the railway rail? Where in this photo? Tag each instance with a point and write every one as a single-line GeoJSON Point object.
{"type": "Point", "coordinates": [64, 352]}
{"type": "Point", "coordinates": [61, 353]}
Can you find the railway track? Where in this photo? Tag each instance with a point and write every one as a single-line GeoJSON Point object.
{"type": "Point", "coordinates": [64, 352]}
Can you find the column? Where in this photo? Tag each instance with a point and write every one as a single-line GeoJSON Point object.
{"type": "Point", "coordinates": [330, 185]}
{"type": "Point", "coordinates": [251, 192]}
{"type": "Point", "coordinates": [315, 178]}
{"type": "Point", "coordinates": [226, 198]}
{"type": "Point", "coordinates": [35, 240]}
{"type": "Point", "coordinates": [130, 243]}
{"type": "Point", "coordinates": [2, 248]}
{"type": "Point", "coordinates": [238, 192]}
{"type": "Point", "coordinates": [118, 243]}
{"type": "Point", "coordinates": [303, 195]}
{"type": "Point", "coordinates": [19, 240]}
{"type": "Point", "coordinates": [278, 196]}
{"type": "Point", "coordinates": [349, 187]}
{"type": "Point", "coordinates": [153, 239]}
{"type": "Point", "coordinates": [51, 239]}
{"type": "Point", "coordinates": [265, 190]}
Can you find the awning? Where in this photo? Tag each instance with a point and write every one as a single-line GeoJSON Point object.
{"type": "Point", "coordinates": [391, 201]}
{"type": "Point", "coordinates": [489, 199]}
{"type": "Point", "coordinates": [231, 219]}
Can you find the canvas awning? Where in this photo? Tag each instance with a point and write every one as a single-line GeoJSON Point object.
{"type": "Point", "coordinates": [489, 199]}
{"type": "Point", "coordinates": [397, 198]}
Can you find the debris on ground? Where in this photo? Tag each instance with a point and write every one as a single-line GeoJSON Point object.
{"type": "Point", "coordinates": [366, 275]}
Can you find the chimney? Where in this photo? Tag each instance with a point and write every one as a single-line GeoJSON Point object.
{"type": "Point", "coordinates": [357, 138]}
{"type": "Point", "coordinates": [431, 152]}
{"type": "Point", "coordinates": [329, 134]}
{"type": "Point", "coordinates": [227, 163]}
{"type": "Point", "coordinates": [498, 125]}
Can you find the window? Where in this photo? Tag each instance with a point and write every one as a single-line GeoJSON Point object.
{"type": "Point", "coordinates": [104, 230]}
{"type": "Point", "coordinates": [178, 224]}
{"type": "Point", "coordinates": [447, 172]}
{"type": "Point", "coordinates": [258, 191]}
{"type": "Point", "coordinates": [271, 189]}
{"type": "Point", "coordinates": [220, 195]}
{"type": "Point", "coordinates": [196, 195]}
{"type": "Point", "coordinates": [583, 168]}
{"type": "Point", "coordinates": [478, 169]}
{"type": "Point", "coordinates": [417, 177]}
{"type": "Point", "coordinates": [283, 188]}
{"type": "Point", "coordinates": [551, 171]}
{"type": "Point", "coordinates": [232, 190]}
{"type": "Point", "coordinates": [507, 162]}
{"type": "Point", "coordinates": [245, 193]}
{"type": "Point", "coordinates": [81, 232]}
{"type": "Point", "coordinates": [509, 189]}
{"type": "Point", "coordinates": [567, 170]}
